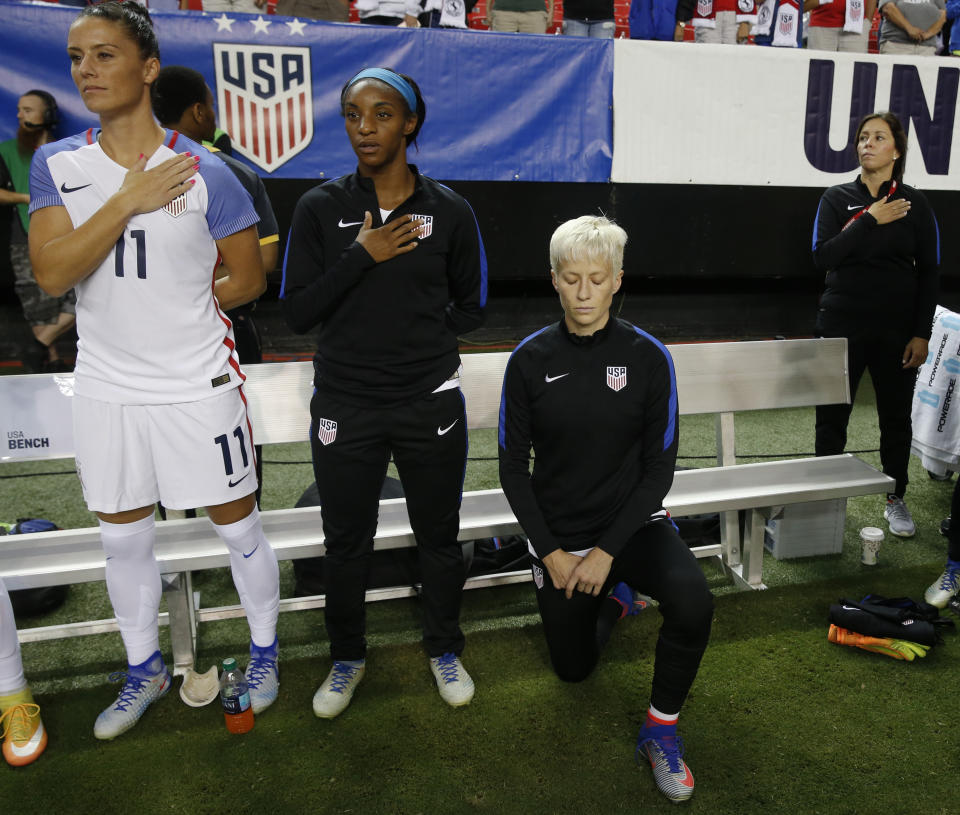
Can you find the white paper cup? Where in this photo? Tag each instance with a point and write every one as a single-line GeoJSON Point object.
{"type": "Point", "coordinates": [870, 540]}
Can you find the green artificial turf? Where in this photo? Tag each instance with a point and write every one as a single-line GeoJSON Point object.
{"type": "Point", "coordinates": [779, 719]}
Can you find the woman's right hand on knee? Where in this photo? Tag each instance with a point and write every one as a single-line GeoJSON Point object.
{"type": "Point", "coordinates": [560, 565]}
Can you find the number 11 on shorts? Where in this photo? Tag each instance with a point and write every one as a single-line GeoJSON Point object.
{"type": "Point", "coordinates": [224, 442]}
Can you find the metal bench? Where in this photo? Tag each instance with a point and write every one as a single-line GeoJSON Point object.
{"type": "Point", "coordinates": [714, 378]}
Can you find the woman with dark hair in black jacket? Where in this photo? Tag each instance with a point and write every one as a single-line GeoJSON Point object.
{"type": "Point", "coordinates": [389, 264]}
{"type": "Point", "coordinates": [877, 241]}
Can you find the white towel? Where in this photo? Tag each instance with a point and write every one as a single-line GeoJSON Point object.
{"type": "Point", "coordinates": [936, 414]}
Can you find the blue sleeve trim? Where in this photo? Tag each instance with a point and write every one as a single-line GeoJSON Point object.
{"type": "Point", "coordinates": [483, 252]}
{"type": "Point", "coordinates": [501, 432]}
{"type": "Point", "coordinates": [936, 228]}
{"type": "Point", "coordinates": [483, 261]}
{"type": "Point", "coordinates": [234, 226]}
{"type": "Point", "coordinates": [42, 201]}
{"type": "Point", "coordinates": [671, 431]}
{"type": "Point", "coordinates": [286, 256]}
{"type": "Point", "coordinates": [816, 223]}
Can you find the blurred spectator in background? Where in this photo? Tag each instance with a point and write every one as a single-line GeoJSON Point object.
{"type": "Point", "coordinates": [840, 25]}
{"type": "Point", "coordinates": [334, 11]}
{"type": "Point", "coordinates": [911, 27]}
{"type": "Point", "coordinates": [660, 19]}
{"type": "Point", "coordinates": [390, 12]}
{"type": "Point", "coordinates": [951, 31]}
{"type": "Point", "coordinates": [519, 16]}
{"type": "Point", "coordinates": [220, 141]}
{"type": "Point", "coordinates": [446, 13]}
{"type": "Point", "coordinates": [724, 21]}
{"type": "Point", "coordinates": [232, 6]}
{"type": "Point", "coordinates": [779, 24]}
{"type": "Point", "coordinates": [589, 18]}
{"type": "Point", "coordinates": [49, 317]}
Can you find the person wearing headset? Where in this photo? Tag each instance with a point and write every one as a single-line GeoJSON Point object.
{"type": "Point", "coordinates": [49, 317]}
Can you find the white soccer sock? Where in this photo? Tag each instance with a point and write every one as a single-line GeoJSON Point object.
{"type": "Point", "coordinates": [133, 583]}
{"type": "Point", "coordinates": [255, 574]}
{"type": "Point", "coordinates": [11, 667]}
{"type": "Point", "coordinates": [661, 717]}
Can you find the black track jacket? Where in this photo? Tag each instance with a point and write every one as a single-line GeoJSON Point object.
{"type": "Point", "coordinates": [884, 274]}
{"type": "Point", "coordinates": [601, 415]}
{"type": "Point", "coordinates": [388, 331]}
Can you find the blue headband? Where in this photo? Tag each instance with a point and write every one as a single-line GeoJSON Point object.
{"type": "Point", "coordinates": [393, 79]}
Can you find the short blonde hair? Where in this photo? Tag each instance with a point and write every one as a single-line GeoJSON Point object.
{"type": "Point", "coordinates": [589, 237]}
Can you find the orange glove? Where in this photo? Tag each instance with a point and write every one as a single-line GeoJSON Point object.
{"type": "Point", "coordinates": [897, 649]}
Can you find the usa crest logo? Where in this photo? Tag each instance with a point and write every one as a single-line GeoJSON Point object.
{"type": "Point", "coordinates": [265, 100]}
{"type": "Point", "coordinates": [326, 431]}
{"type": "Point", "coordinates": [616, 378]}
{"type": "Point", "coordinates": [537, 575]}
{"type": "Point", "coordinates": [426, 227]}
{"type": "Point", "coordinates": [787, 21]}
{"type": "Point", "coordinates": [177, 206]}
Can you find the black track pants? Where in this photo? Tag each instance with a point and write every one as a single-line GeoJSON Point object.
{"type": "Point", "coordinates": [428, 440]}
{"type": "Point", "coordinates": [655, 562]}
{"type": "Point", "coordinates": [881, 353]}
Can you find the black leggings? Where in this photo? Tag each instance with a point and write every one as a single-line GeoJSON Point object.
{"type": "Point", "coordinates": [656, 562]}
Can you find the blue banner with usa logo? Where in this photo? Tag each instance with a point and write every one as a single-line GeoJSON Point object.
{"type": "Point", "coordinates": [496, 111]}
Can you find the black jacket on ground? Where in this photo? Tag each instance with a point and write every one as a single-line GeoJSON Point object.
{"type": "Point", "coordinates": [604, 457]}
{"type": "Point", "coordinates": [388, 331]}
{"type": "Point", "coordinates": [877, 273]}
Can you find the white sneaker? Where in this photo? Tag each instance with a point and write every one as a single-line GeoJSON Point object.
{"type": "Point", "coordinates": [899, 518]}
{"type": "Point", "coordinates": [454, 683]}
{"type": "Point", "coordinates": [944, 588]}
{"type": "Point", "coordinates": [140, 690]}
{"type": "Point", "coordinates": [333, 696]}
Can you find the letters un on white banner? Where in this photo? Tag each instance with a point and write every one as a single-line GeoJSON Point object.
{"type": "Point", "coordinates": [769, 116]}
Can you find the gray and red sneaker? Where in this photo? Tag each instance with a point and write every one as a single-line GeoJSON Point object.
{"type": "Point", "coordinates": [664, 751]}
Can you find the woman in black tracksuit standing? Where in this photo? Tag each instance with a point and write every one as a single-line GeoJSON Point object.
{"type": "Point", "coordinates": [390, 265]}
{"type": "Point", "coordinates": [876, 240]}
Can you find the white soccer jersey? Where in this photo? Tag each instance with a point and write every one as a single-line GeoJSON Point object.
{"type": "Point", "coordinates": [150, 329]}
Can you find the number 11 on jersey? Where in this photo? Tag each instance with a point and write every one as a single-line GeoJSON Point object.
{"type": "Point", "coordinates": [140, 237]}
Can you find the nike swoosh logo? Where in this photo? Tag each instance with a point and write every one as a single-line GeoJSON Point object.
{"type": "Point", "coordinates": [65, 188]}
{"type": "Point", "coordinates": [251, 552]}
{"type": "Point", "coordinates": [442, 431]}
{"type": "Point", "coordinates": [30, 746]}
{"type": "Point", "coordinates": [549, 378]}
{"type": "Point", "coordinates": [858, 206]}
{"type": "Point", "coordinates": [342, 225]}
{"type": "Point", "coordinates": [234, 483]}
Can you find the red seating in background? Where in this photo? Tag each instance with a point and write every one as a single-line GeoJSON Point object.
{"type": "Point", "coordinates": [621, 12]}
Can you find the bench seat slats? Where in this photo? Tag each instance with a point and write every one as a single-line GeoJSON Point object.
{"type": "Point", "coordinates": [74, 555]}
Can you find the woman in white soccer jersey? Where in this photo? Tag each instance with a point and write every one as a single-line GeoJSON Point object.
{"type": "Point", "coordinates": [134, 217]}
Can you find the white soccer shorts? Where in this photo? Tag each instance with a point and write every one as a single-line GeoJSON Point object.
{"type": "Point", "coordinates": [187, 455]}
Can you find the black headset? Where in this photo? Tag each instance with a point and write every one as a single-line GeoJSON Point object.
{"type": "Point", "coordinates": [51, 115]}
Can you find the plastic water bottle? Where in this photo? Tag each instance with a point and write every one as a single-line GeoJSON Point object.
{"type": "Point", "coordinates": [235, 697]}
